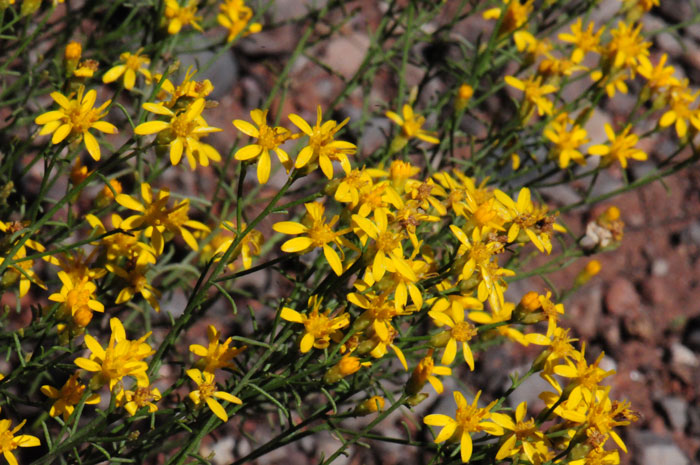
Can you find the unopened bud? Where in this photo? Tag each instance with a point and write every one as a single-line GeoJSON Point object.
{"type": "Point", "coordinates": [371, 405]}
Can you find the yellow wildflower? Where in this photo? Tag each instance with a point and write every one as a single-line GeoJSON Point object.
{"type": "Point", "coordinates": [622, 147]}
{"type": "Point", "coordinates": [680, 98]}
{"type": "Point", "coordinates": [206, 391]}
{"type": "Point", "coordinates": [584, 41]}
{"type": "Point", "coordinates": [658, 76]}
{"type": "Point", "coordinates": [142, 396]}
{"type": "Point", "coordinates": [67, 397]}
{"type": "Point", "coordinates": [235, 15]}
{"type": "Point", "coordinates": [248, 248]}
{"type": "Point", "coordinates": [269, 138]}
{"type": "Point", "coordinates": [460, 331]}
{"type": "Point", "coordinates": [322, 145]}
{"type": "Point", "coordinates": [516, 14]}
{"type": "Point", "coordinates": [216, 355]}
{"type": "Point", "coordinates": [424, 372]}
{"type": "Point", "coordinates": [120, 358]}
{"type": "Point", "coordinates": [567, 137]}
{"type": "Point", "coordinates": [468, 419]}
{"type": "Point", "coordinates": [318, 234]}
{"type": "Point", "coordinates": [179, 16]}
{"type": "Point", "coordinates": [411, 126]}
{"type": "Point", "coordinates": [319, 326]}
{"type": "Point", "coordinates": [533, 95]}
{"type": "Point", "coordinates": [347, 366]}
{"type": "Point", "coordinates": [523, 438]}
{"type": "Point", "coordinates": [9, 441]}
{"type": "Point", "coordinates": [132, 64]}
{"type": "Point", "coordinates": [75, 118]}
{"type": "Point", "coordinates": [135, 281]}
{"type": "Point", "coordinates": [182, 132]}
{"type": "Point", "coordinates": [626, 46]}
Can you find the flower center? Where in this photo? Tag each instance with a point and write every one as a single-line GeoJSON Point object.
{"type": "Point", "coordinates": [463, 331]}
{"type": "Point", "coordinates": [6, 441]}
{"type": "Point", "coordinates": [206, 390]}
{"type": "Point", "coordinates": [181, 127]}
{"type": "Point", "coordinates": [142, 396]}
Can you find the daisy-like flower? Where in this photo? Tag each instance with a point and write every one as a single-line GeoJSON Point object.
{"type": "Point", "coordinates": [178, 16]}
{"type": "Point", "coordinates": [411, 126]}
{"type": "Point", "coordinates": [620, 148]}
{"type": "Point", "coordinates": [131, 64]}
{"type": "Point", "coordinates": [78, 298]}
{"type": "Point", "coordinates": [460, 332]}
{"type": "Point", "coordinates": [268, 138]}
{"type": "Point", "coordinates": [424, 372]}
{"type": "Point", "coordinates": [75, 118]}
{"type": "Point", "coordinates": [10, 441]}
{"type": "Point", "coordinates": [67, 397]}
{"type": "Point", "coordinates": [182, 132]}
{"type": "Point", "coordinates": [249, 247]}
{"type": "Point", "coordinates": [516, 14]}
{"type": "Point", "coordinates": [318, 234]}
{"type": "Point", "coordinates": [534, 95]}
{"type": "Point", "coordinates": [468, 419]}
{"type": "Point", "coordinates": [136, 282]}
{"type": "Point", "coordinates": [658, 76]}
{"type": "Point", "coordinates": [523, 438]}
{"type": "Point", "coordinates": [679, 113]}
{"type": "Point", "coordinates": [142, 396]}
{"type": "Point", "coordinates": [235, 15]}
{"type": "Point", "coordinates": [206, 392]}
{"type": "Point", "coordinates": [322, 146]}
{"type": "Point", "coordinates": [319, 326]}
{"type": "Point", "coordinates": [529, 217]}
{"type": "Point", "coordinates": [626, 45]}
{"type": "Point", "coordinates": [387, 248]}
{"type": "Point", "coordinates": [584, 41]}
{"type": "Point", "coordinates": [216, 355]}
{"type": "Point", "coordinates": [567, 137]}
{"type": "Point", "coordinates": [159, 221]}
{"type": "Point", "coordinates": [120, 358]}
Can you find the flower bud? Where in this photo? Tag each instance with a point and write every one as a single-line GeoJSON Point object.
{"type": "Point", "coordinates": [464, 94]}
{"type": "Point", "coordinates": [371, 405]}
{"type": "Point", "coordinates": [592, 268]}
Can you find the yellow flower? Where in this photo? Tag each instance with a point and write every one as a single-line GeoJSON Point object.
{"type": "Point", "coordinates": [613, 82]}
{"type": "Point", "coordinates": [318, 234]}
{"type": "Point", "coordinates": [269, 138]}
{"type": "Point", "coordinates": [424, 372]}
{"type": "Point", "coordinates": [534, 95]}
{"type": "Point", "coordinates": [680, 98]}
{"type": "Point", "coordinates": [78, 298]}
{"type": "Point", "coordinates": [75, 118]}
{"type": "Point", "coordinates": [464, 94]}
{"type": "Point", "coordinates": [319, 326]}
{"type": "Point", "coordinates": [622, 147]}
{"type": "Point", "coordinates": [322, 145]}
{"type": "Point", "coordinates": [529, 217]}
{"type": "Point", "coordinates": [21, 270]}
{"type": "Point", "coordinates": [584, 378]}
{"type": "Point", "coordinates": [411, 126]}
{"type": "Point", "coordinates": [135, 281]}
{"type": "Point", "coordinates": [234, 15]}
{"type": "Point", "coordinates": [121, 244]}
{"type": "Point", "coordinates": [584, 41]}
{"type": "Point", "coordinates": [206, 392]}
{"type": "Point", "coordinates": [157, 219]}
{"type": "Point", "coordinates": [132, 64]}
{"type": "Point", "coordinates": [216, 355]}
{"type": "Point", "coordinates": [179, 16]}
{"type": "Point", "coordinates": [9, 441]}
{"type": "Point", "coordinates": [567, 137]}
{"type": "Point", "coordinates": [387, 248]}
{"type": "Point", "coordinates": [460, 331]}
{"type": "Point", "coordinates": [524, 437]}
{"type": "Point", "coordinates": [120, 358]}
{"type": "Point", "coordinates": [182, 133]}
{"type": "Point", "coordinates": [468, 419]}
{"type": "Point", "coordinates": [516, 14]}
{"type": "Point", "coordinates": [347, 366]}
{"type": "Point", "coordinates": [248, 247]}
{"type": "Point", "coordinates": [143, 396]}
{"type": "Point", "coordinates": [658, 76]}
{"type": "Point", "coordinates": [67, 397]}
{"type": "Point", "coordinates": [626, 46]}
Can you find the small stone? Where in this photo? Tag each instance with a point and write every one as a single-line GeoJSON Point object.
{"type": "Point", "coordinates": [345, 54]}
{"type": "Point", "coordinates": [621, 298]}
{"type": "Point", "coordinates": [681, 355]}
{"type": "Point", "coordinates": [676, 410]}
{"type": "Point", "coordinates": [660, 267]}
{"type": "Point", "coordinates": [655, 450]}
